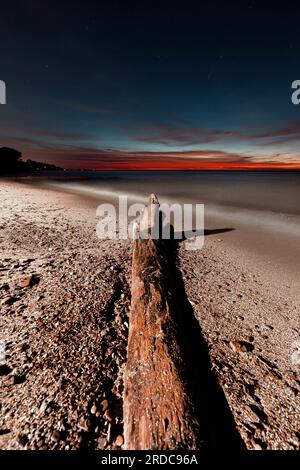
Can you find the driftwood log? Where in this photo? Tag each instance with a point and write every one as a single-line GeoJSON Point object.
{"type": "Point", "coordinates": [158, 412]}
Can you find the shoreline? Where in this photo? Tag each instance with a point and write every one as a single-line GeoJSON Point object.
{"type": "Point", "coordinates": [82, 289]}
{"type": "Point", "coordinates": [268, 238]}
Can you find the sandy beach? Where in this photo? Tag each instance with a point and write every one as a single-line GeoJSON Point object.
{"type": "Point", "coordinates": [65, 299]}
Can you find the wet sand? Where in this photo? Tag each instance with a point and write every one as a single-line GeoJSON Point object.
{"type": "Point", "coordinates": [63, 337]}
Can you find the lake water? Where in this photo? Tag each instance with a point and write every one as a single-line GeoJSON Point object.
{"type": "Point", "coordinates": [268, 199]}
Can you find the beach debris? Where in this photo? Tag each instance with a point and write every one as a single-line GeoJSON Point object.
{"type": "Point", "coordinates": [173, 423]}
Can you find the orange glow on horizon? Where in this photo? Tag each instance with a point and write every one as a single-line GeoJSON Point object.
{"type": "Point", "coordinates": [191, 165]}
{"type": "Point", "coordinates": [81, 158]}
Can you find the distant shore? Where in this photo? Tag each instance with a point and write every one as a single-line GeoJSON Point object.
{"type": "Point", "coordinates": [65, 298]}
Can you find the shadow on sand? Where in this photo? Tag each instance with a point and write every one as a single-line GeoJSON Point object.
{"type": "Point", "coordinates": [218, 426]}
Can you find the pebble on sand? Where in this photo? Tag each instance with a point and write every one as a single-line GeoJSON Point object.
{"type": "Point", "coordinates": [26, 281]}
{"type": "Point", "coordinates": [107, 415]}
{"type": "Point", "coordinates": [104, 405]}
{"type": "Point", "coordinates": [119, 440]}
{"type": "Point", "coordinates": [94, 409]}
{"type": "Point", "coordinates": [240, 346]}
{"type": "Point", "coordinates": [55, 436]}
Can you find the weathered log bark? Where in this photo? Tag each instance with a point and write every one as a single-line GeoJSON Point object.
{"type": "Point", "coordinates": [158, 412]}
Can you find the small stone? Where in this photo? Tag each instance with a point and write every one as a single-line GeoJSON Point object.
{"type": "Point", "coordinates": [55, 436]}
{"type": "Point", "coordinates": [84, 424]}
{"type": "Point", "coordinates": [256, 445]}
{"type": "Point", "coordinates": [62, 384]}
{"type": "Point", "coordinates": [104, 405]}
{"type": "Point", "coordinates": [70, 298]}
{"type": "Point", "coordinates": [101, 442]}
{"type": "Point", "coordinates": [43, 407]}
{"type": "Point", "coordinates": [40, 263]}
{"type": "Point", "coordinates": [107, 415]}
{"type": "Point", "coordinates": [26, 281]}
{"type": "Point", "coordinates": [94, 409]}
{"type": "Point", "coordinates": [244, 435]}
{"type": "Point", "coordinates": [108, 438]}
{"type": "Point", "coordinates": [39, 443]}
{"type": "Point", "coordinates": [273, 376]}
{"type": "Point", "coordinates": [119, 440]}
{"type": "Point", "coordinates": [240, 346]}
{"type": "Point", "coordinates": [294, 441]}
{"type": "Point", "coordinates": [90, 424]}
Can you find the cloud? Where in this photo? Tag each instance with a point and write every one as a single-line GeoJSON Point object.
{"type": "Point", "coordinates": [185, 135]}
{"type": "Point", "coordinates": [280, 137]}
{"type": "Point", "coordinates": [292, 130]}
{"type": "Point", "coordinates": [81, 157]}
{"type": "Point", "coordinates": [43, 138]}
{"type": "Point", "coordinates": [78, 150]}
{"type": "Point", "coordinates": [67, 136]}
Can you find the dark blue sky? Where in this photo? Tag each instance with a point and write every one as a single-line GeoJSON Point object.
{"type": "Point", "coordinates": [133, 84]}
